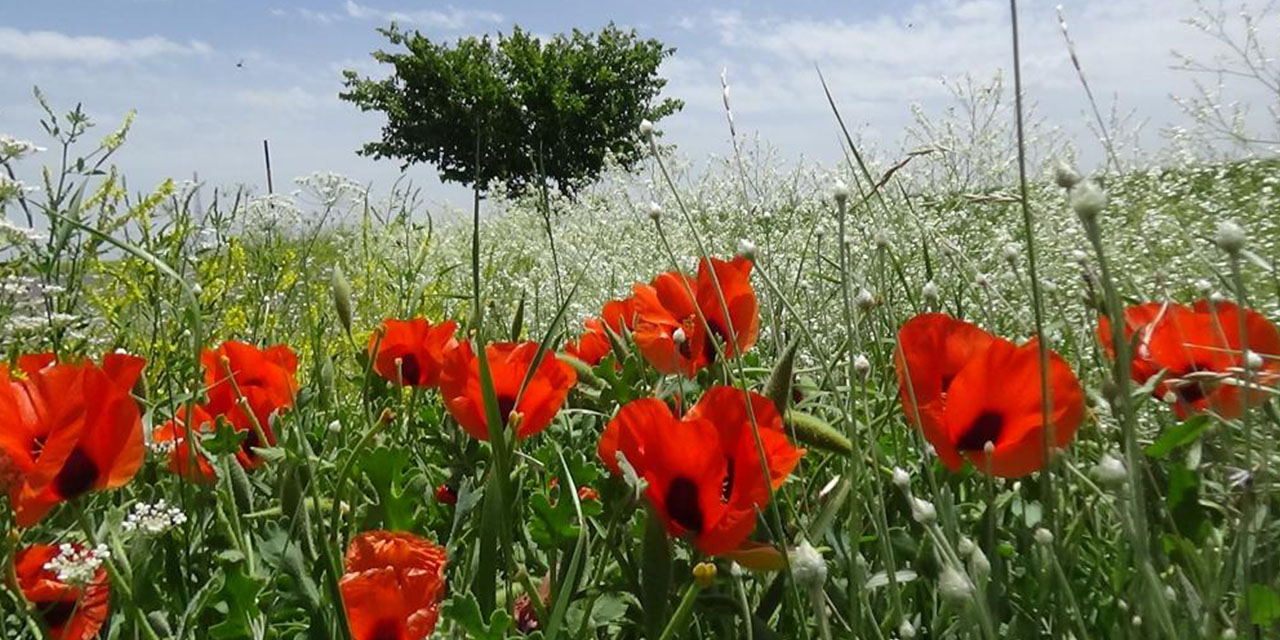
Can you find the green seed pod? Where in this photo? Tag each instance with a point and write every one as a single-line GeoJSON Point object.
{"type": "Point", "coordinates": [778, 389]}
{"type": "Point", "coordinates": [517, 323]}
{"type": "Point", "coordinates": [241, 488]}
{"type": "Point", "coordinates": [815, 432]}
{"type": "Point", "coordinates": [341, 296]}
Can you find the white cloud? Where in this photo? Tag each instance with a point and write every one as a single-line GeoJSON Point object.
{"type": "Point", "coordinates": [289, 100]}
{"type": "Point", "coordinates": [54, 46]}
{"type": "Point", "coordinates": [451, 18]}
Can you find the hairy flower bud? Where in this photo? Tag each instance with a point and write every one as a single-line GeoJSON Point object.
{"type": "Point", "coordinates": [1066, 176]}
{"type": "Point", "coordinates": [1087, 200]}
{"type": "Point", "coordinates": [1230, 237]}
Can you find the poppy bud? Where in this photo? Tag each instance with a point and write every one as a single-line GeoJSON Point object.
{"type": "Point", "coordinates": [1066, 176]}
{"type": "Point", "coordinates": [807, 566]}
{"type": "Point", "coordinates": [1110, 471]}
{"type": "Point", "coordinates": [923, 511]}
{"type": "Point", "coordinates": [840, 191]}
{"type": "Point", "coordinates": [1011, 252]}
{"type": "Point", "coordinates": [646, 128]}
{"type": "Point", "coordinates": [1229, 634]}
{"type": "Point", "coordinates": [1043, 536]}
{"type": "Point", "coordinates": [965, 547]}
{"type": "Point", "coordinates": [906, 631]}
{"type": "Point", "coordinates": [882, 239]}
{"type": "Point", "coordinates": [1230, 237]}
{"type": "Point", "coordinates": [861, 365]}
{"type": "Point", "coordinates": [1252, 361]}
{"type": "Point", "coordinates": [955, 586]}
{"type": "Point", "coordinates": [341, 290]}
{"type": "Point", "coordinates": [1136, 621]}
{"type": "Point", "coordinates": [446, 495]}
{"type": "Point", "coordinates": [335, 427]}
{"type": "Point", "coordinates": [865, 300]}
{"type": "Point", "coordinates": [902, 479]}
{"type": "Point", "coordinates": [678, 336]}
{"type": "Point", "coordinates": [930, 292]}
{"type": "Point", "coordinates": [655, 211]}
{"type": "Point", "coordinates": [196, 289]}
{"type": "Point", "coordinates": [704, 573]}
{"type": "Point", "coordinates": [1087, 200]}
{"type": "Point", "coordinates": [747, 249]}
{"type": "Point", "coordinates": [979, 565]}
{"type": "Point", "coordinates": [982, 279]}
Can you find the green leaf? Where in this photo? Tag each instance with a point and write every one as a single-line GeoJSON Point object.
{"type": "Point", "coordinates": [1179, 435]}
{"type": "Point", "coordinates": [1183, 500]}
{"type": "Point", "coordinates": [1264, 604]}
{"type": "Point", "coordinates": [225, 441]}
{"type": "Point", "coordinates": [655, 576]}
{"type": "Point", "coordinates": [464, 611]}
{"type": "Point", "coordinates": [389, 471]}
{"type": "Point", "coordinates": [240, 595]}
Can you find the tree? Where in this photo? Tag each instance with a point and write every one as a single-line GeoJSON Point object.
{"type": "Point", "coordinates": [518, 112]}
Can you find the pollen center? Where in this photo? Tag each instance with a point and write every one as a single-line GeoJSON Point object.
{"type": "Point", "coordinates": [410, 369]}
{"type": "Point", "coordinates": [682, 504]}
{"type": "Point", "coordinates": [506, 404]}
{"type": "Point", "coordinates": [986, 428]}
{"type": "Point", "coordinates": [385, 629]}
{"type": "Point", "coordinates": [77, 476]}
{"type": "Point", "coordinates": [57, 614]}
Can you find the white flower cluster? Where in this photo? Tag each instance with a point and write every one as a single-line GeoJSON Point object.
{"type": "Point", "coordinates": [76, 565]}
{"type": "Point", "coordinates": [12, 233]}
{"type": "Point", "coordinates": [12, 148]}
{"type": "Point", "coordinates": [153, 519]}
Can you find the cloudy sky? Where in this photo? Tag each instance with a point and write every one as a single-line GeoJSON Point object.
{"type": "Point", "coordinates": [211, 79]}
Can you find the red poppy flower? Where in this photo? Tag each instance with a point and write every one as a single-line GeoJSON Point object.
{"type": "Point", "coordinates": [419, 346]}
{"type": "Point", "coordinates": [669, 332]}
{"type": "Point", "coordinates": [1200, 348]}
{"type": "Point", "coordinates": [393, 586]}
{"type": "Point", "coordinates": [592, 346]}
{"type": "Point", "coordinates": [965, 388]}
{"type": "Point", "coordinates": [69, 612]}
{"type": "Point", "coordinates": [263, 377]}
{"type": "Point", "coordinates": [172, 437]}
{"type": "Point", "coordinates": [509, 363]}
{"type": "Point", "coordinates": [69, 428]}
{"type": "Point", "coordinates": [619, 314]}
{"type": "Point", "coordinates": [703, 470]}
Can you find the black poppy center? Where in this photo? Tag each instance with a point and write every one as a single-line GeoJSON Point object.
{"type": "Point", "coordinates": [385, 629]}
{"type": "Point", "coordinates": [77, 475]}
{"type": "Point", "coordinates": [57, 614]}
{"type": "Point", "coordinates": [726, 487]}
{"type": "Point", "coordinates": [410, 369]}
{"type": "Point", "coordinates": [682, 504]}
{"type": "Point", "coordinates": [985, 428]}
{"type": "Point", "coordinates": [1192, 392]}
{"type": "Point", "coordinates": [506, 404]}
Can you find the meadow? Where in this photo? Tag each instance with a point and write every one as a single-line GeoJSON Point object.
{"type": "Point", "coordinates": [749, 401]}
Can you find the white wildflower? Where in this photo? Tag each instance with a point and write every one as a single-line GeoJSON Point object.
{"type": "Point", "coordinates": [12, 148]}
{"type": "Point", "coordinates": [153, 519]}
{"type": "Point", "coordinates": [77, 565]}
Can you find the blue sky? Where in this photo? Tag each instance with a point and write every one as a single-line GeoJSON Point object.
{"type": "Point", "coordinates": [175, 61]}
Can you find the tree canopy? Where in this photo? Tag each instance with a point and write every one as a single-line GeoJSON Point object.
{"type": "Point", "coordinates": [530, 111]}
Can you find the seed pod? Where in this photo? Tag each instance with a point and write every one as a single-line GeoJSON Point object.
{"type": "Point", "coordinates": [341, 296]}
{"type": "Point", "coordinates": [778, 388]}
{"type": "Point", "coordinates": [815, 432]}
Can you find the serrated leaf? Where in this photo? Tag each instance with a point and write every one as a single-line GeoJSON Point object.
{"type": "Point", "coordinates": [1179, 435]}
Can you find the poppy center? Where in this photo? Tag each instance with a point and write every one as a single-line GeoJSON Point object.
{"type": "Point", "coordinates": [985, 428]}
{"type": "Point", "coordinates": [57, 614]}
{"type": "Point", "coordinates": [682, 504]}
{"type": "Point", "coordinates": [385, 629]}
{"type": "Point", "coordinates": [410, 369]}
{"type": "Point", "coordinates": [77, 475]}
{"type": "Point", "coordinates": [1192, 392]}
{"type": "Point", "coordinates": [726, 487]}
{"type": "Point", "coordinates": [506, 404]}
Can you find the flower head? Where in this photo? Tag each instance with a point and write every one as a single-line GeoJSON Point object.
{"type": "Point", "coordinates": [509, 364]}
{"type": "Point", "coordinates": [977, 396]}
{"type": "Point", "coordinates": [702, 472]}
{"type": "Point", "coordinates": [411, 352]}
{"type": "Point", "coordinates": [392, 586]}
{"type": "Point", "coordinates": [70, 611]}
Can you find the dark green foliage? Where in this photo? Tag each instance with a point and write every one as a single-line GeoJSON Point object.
{"type": "Point", "coordinates": [528, 109]}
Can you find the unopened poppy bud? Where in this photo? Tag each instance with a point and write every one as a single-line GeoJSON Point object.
{"type": "Point", "coordinates": [1087, 200]}
{"type": "Point", "coordinates": [982, 279]}
{"type": "Point", "coordinates": [901, 479]}
{"type": "Point", "coordinates": [1011, 252]}
{"type": "Point", "coordinates": [923, 511]}
{"type": "Point", "coordinates": [979, 565]}
{"type": "Point", "coordinates": [930, 292]}
{"type": "Point", "coordinates": [954, 586]}
{"type": "Point", "coordinates": [965, 547]}
{"type": "Point", "coordinates": [678, 336]}
{"type": "Point", "coordinates": [747, 249]}
{"type": "Point", "coordinates": [865, 300]}
{"type": "Point", "coordinates": [1169, 398]}
{"type": "Point", "coordinates": [1252, 361]}
{"type": "Point", "coordinates": [1170, 594]}
{"type": "Point", "coordinates": [341, 290]}
{"type": "Point", "coordinates": [335, 427]}
{"type": "Point", "coordinates": [906, 631]}
{"type": "Point", "coordinates": [1230, 237]}
{"type": "Point", "coordinates": [882, 239]}
{"type": "Point", "coordinates": [840, 191]}
{"type": "Point", "coordinates": [514, 419]}
{"type": "Point", "coordinates": [655, 211]}
{"type": "Point", "coordinates": [807, 566]}
{"type": "Point", "coordinates": [1229, 634]}
{"type": "Point", "coordinates": [1079, 257]}
{"type": "Point", "coordinates": [196, 289]}
{"type": "Point", "coordinates": [1043, 536]}
{"type": "Point", "coordinates": [704, 573]}
{"type": "Point", "coordinates": [646, 128]}
{"type": "Point", "coordinates": [989, 449]}
{"type": "Point", "coordinates": [1110, 471]}
{"type": "Point", "coordinates": [861, 365]}
{"type": "Point", "coordinates": [1066, 176]}
{"type": "Point", "coordinates": [1136, 621]}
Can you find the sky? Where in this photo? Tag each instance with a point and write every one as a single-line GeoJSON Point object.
{"type": "Point", "coordinates": [211, 79]}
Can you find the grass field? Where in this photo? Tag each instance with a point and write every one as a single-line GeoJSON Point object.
{"type": "Point", "coordinates": [1152, 519]}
